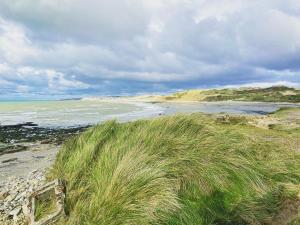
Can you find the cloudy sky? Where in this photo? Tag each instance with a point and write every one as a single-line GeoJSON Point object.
{"type": "Point", "coordinates": [63, 48]}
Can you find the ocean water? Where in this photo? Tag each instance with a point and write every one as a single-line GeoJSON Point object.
{"type": "Point", "coordinates": [73, 112]}
{"type": "Point", "coordinates": [85, 112]}
{"type": "Point", "coordinates": [253, 108]}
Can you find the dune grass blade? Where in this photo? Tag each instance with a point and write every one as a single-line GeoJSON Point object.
{"type": "Point", "coordinates": [183, 169]}
{"type": "Point", "coordinates": [45, 205]}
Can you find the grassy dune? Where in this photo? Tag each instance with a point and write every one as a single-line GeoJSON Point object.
{"type": "Point", "coordinates": [184, 169]}
{"type": "Point", "coordinates": [272, 94]}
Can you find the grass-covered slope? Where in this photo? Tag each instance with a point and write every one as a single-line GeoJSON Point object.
{"type": "Point", "coordinates": [272, 94]}
{"type": "Point", "coordinates": [184, 169]}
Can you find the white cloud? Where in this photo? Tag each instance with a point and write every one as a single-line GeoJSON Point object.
{"type": "Point", "coordinates": [4, 68]}
{"type": "Point", "coordinates": [15, 47]}
{"type": "Point", "coordinates": [57, 81]}
{"type": "Point", "coordinates": [93, 20]}
{"type": "Point", "coordinates": [268, 41]}
{"type": "Point", "coordinates": [217, 9]}
{"type": "Point", "coordinates": [150, 44]}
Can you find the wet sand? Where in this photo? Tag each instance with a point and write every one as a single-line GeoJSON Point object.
{"type": "Point", "coordinates": [20, 164]}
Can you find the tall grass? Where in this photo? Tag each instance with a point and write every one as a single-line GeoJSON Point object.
{"type": "Point", "coordinates": [271, 94]}
{"type": "Point", "coordinates": [183, 169]}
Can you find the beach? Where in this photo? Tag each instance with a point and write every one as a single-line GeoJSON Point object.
{"type": "Point", "coordinates": [33, 132]}
{"type": "Point", "coordinates": [34, 144]}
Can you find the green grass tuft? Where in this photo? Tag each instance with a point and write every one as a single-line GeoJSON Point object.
{"type": "Point", "coordinates": [45, 205]}
{"type": "Point", "coordinates": [183, 169]}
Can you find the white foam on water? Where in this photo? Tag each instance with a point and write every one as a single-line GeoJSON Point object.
{"type": "Point", "coordinates": [93, 111]}
{"type": "Point", "coordinates": [74, 113]}
{"type": "Point", "coordinates": [148, 110]}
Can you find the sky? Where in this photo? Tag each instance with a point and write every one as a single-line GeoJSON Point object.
{"type": "Point", "coordinates": [75, 48]}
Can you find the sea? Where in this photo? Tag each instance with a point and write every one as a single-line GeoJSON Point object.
{"type": "Point", "coordinates": [26, 148]}
{"type": "Point", "coordinates": [69, 113]}
{"type": "Point", "coordinates": [72, 113]}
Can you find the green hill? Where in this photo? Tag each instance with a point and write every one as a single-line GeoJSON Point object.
{"type": "Point", "coordinates": [184, 169]}
{"type": "Point", "coordinates": [272, 94]}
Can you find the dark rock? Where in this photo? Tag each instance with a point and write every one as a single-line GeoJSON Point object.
{"type": "Point", "coordinates": [39, 157]}
{"type": "Point", "coordinates": [7, 149]}
{"type": "Point", "coordinates": [20, 125]}
{"type": "Point", "coordinates": [47, 141]}
{"type": "Point", "coordinates": [3, 194]}
{"type": "Point", "coordinates": [10, 135]}
{"type": "Point", "coordinates": [9, 160]}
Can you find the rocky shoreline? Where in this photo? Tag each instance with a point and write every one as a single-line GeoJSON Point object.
{"type": "Point", "coordinates": [15, 138]}
{"type": "Point", "coordinates": [26, 152]}
{"type": "Point", "coordinates": [13, 194]}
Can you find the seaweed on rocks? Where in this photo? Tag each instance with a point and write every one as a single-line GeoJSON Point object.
{"type": "Point", "coordinates": [14, 137]}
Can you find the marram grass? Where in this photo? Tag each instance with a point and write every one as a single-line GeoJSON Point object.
{"type": "Point", "coordinates": [271, 94]}
{"type": "Point", "coordinates": [183, 169]}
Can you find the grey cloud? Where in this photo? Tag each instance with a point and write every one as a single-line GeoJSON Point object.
{"type": "Point", "coordinates": [90, 20]}
{"type": "Point", "coordinates": [146, 45]}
